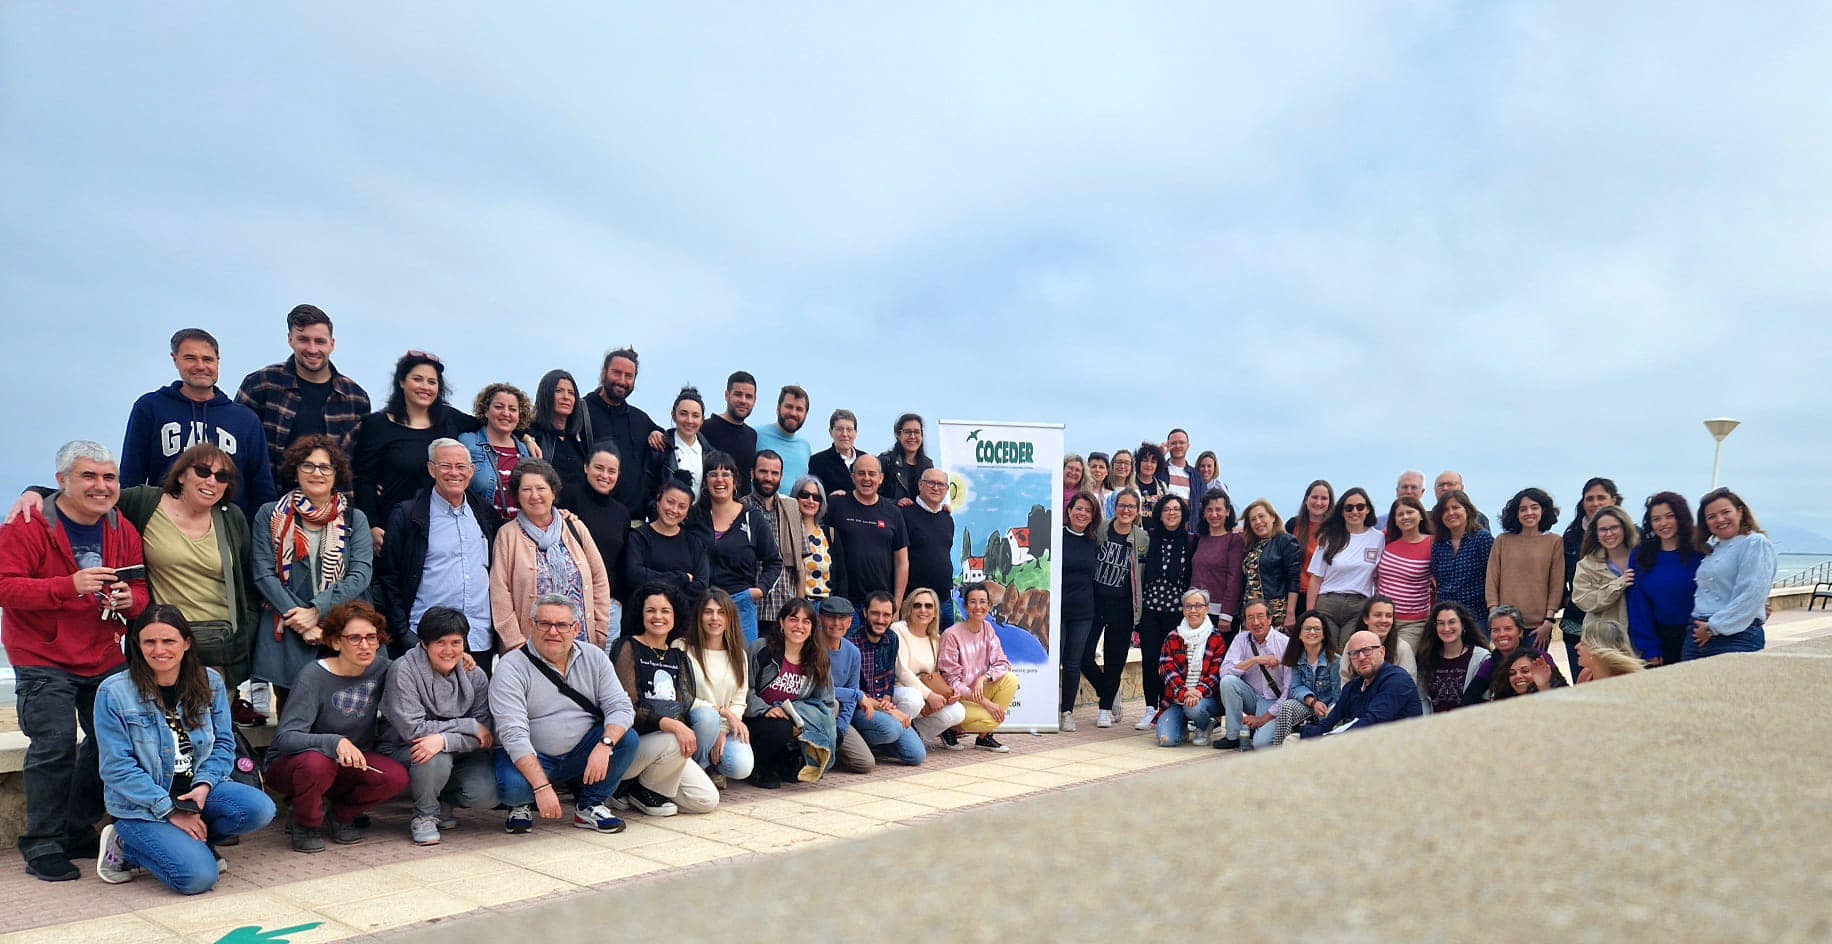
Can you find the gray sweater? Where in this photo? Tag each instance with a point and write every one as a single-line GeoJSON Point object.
{"type": "Point", "coordinates": [531, 714]}
{"type": "Point", "coordinates": [418, 702]}
{"type": "Point", "coordinates": [324, 708]}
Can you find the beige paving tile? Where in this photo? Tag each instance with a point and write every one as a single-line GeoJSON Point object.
{"type": "Point", "coordinates": [834, 799]}
{"type": "Point", "coordinates": [997, 789]}
{"type": "Point", "coordinates": [530, 850]}
{"type": "Point", "coordinates": [839, 824]}
{"type": "Point", "coordinates": [949, 799]}
{"type": "Point", "coordinates": [941, 778]}
{"type": "Point", "coordinates": [595, 868]}
{"type": "Point", "coordinates": [407, 906]}
{"type": "Point", "coordinates": [1119, 745]}
{"type": "Point", "coordinates": [890, 811]}
{"type": "Point", "coordinates": [891, 789]}
{"type": "Point", "coordinates": [690, 850]}
{"type": "Point", "coordinates": [115, 929]}
{"type": "Point", "coordinates": [217, 910]}
{"type": "Point", "coordinates": [349, 886]}
{"type": "Point", "coordinates": [778, 810]}
{"type": "Point", "coordinates": [1044, 779]}
{"type": "Point", "coordinates": [699, 824]}
{"type": "Point", "coordinates": [502, 888]}
{"type": "Point", "coordinates": [782, 839]}
{"type": "Point", "coordinates": [1020, 761]}
{"type": "Point", "coordinates": [444, 868]}
{"type": "Point", "coordinates": [1070, 753]}
{"type": "Point", "coordinates": [1086, 772]}
{"type": "Point", "coordinates": [327, 930]}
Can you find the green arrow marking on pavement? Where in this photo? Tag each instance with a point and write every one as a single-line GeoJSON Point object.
{"type": "Point", "coordinates": [254, 935]}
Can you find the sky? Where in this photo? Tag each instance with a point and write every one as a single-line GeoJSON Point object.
{"type": "Point", "coordinates": [1533, 243]}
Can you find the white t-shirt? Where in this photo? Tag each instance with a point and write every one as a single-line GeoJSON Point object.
{"type": "Point", "coordinates": [1353, 569]}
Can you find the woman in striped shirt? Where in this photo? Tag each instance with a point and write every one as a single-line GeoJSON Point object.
{"type": "Point", "coordinates": [1404, 572]}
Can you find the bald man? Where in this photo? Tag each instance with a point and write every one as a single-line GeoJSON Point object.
{"type": "Point", "coordinates": [1449, 481]}
{"type": "Point", "coordinates": [1378, 692]}
{"type": "Point", "coordinates": [873, 541]}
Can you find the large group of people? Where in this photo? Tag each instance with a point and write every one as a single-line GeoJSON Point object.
{"type": "Point", "coordinates": [560, 597]}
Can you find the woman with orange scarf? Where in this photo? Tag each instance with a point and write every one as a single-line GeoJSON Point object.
{"type": "Point", "coordinates": [312, 551]}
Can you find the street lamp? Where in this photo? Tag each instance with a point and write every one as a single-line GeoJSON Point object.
{"type": "Point", "coordinates": [1719, 428]}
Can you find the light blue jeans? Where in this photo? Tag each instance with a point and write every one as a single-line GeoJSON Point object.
{"type": "Point", "coordinates": [182, 863]}
{"type": "Point", "coordinates": [735, 762]}
{"type": "Point", "coordinates": [883, 729]}
{"type": "Point", "coordinates": [1172, 719]}
{"type": "Point", "coordinates": [1238, 699]}
{"type": "Point", "coordinates": [747, 617]}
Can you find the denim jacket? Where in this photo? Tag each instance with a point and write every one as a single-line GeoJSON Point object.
{"type": "Point", "coordinates": [483, 463]}
{"type": "Point", "coordinates": [136, 752]}
{"type": "Point", "coordinates": [1319, 678]}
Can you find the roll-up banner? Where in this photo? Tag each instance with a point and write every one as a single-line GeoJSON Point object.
{"type": "Point", "coordinates": [1005, 492]}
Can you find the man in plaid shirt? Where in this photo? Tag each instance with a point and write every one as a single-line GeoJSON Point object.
{"type": "Point", "coordinates": [305, 395]}
{"type": "Point", "coordinates": [884, 725]}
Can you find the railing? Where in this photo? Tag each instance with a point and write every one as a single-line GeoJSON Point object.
{"type": "Point", "coordinates": [1820, 572]}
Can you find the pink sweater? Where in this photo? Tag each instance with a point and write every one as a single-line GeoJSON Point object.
{"type": "Point", "coordinates": [967, 657]}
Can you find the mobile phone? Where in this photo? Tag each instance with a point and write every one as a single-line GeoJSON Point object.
{"type": "Point", "coordinates": [186, 806]}
{"type": "Point", "coordinates": [136, 572]}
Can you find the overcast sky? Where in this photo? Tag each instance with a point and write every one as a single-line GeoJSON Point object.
{"type": "Point", "coordinates": [1531, 243]}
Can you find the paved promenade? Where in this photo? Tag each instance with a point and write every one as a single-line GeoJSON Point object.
{"type": "Point", "coordinates": [1690, 809]}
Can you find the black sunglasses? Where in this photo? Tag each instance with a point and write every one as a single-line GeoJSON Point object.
{"type": "Point", "coordinates": [808, 496]}
{"type": "Point", "coordinates": [221, 475]}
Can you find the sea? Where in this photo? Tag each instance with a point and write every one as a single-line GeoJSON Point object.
{"type": "Point", "coordinates": [1797, 566]}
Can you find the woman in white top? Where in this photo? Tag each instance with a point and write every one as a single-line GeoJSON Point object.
{"type": "Point", "coordinates": [721, 673]}
{"type": "Point", "coordinates": [1342, 569]}
{"type": "Point", "coordinates": [935, 707]}
{"type": "Point", "coordinates": [684, 455]}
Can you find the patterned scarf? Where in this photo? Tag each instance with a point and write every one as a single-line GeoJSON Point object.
{"type": "Point", "coordinates": [291, 513]}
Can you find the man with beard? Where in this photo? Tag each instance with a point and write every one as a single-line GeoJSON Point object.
{"type": "Point", "coordinates": [614, 418]}
{"type": "Point", "coordinates": [727, 431]}
{"type": "Point", "coordinates": [786, 523]}
{"type": "Point", "coordinates": [779, 437]}
{"type": "Point", "coordinates": [305, 395]}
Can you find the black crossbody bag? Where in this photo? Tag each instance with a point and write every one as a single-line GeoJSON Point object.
{"type": "Point", "coordinates": [591, 707]}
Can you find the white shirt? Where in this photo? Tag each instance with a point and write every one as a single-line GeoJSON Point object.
{"type": "Point", "coordinates": [1353, 569]}
{"type": "Point", "coordinates": [691, 458]}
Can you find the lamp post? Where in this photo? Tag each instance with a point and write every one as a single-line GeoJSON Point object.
{"type": "Point", "coordinates": [1719, 428]}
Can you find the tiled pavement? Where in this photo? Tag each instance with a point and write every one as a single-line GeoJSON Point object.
{"type": "Point", "coordinates": [387, 883]}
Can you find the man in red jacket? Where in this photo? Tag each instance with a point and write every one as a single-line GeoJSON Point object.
{"type": "Point", "coordinates": [65, 612]}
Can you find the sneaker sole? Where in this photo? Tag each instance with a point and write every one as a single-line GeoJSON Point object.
{"type": "Point", "coordinates": [659, 810]}
{"type": "Point", "coordinates": [111, 876]}
{"type": "Point", "coordinates": [1001, 749]}
{"type": "Point", "coordinates": [517, 830]}
{"type": "Point", "coordinates": [598, 829]}
{"type": "Point", "coordinates": [427, 842]}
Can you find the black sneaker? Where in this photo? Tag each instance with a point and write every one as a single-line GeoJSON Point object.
{"type": "Point", "coordinates": [951, 740]}
{"type": "Point", "coordinates": [51, 867]}
{"type": "Point", "coordinates": [987, 742]}
{"type": "Point", "coordinates": [307, 838]}
{"type": "Point", "coordinates": [345, 834]}
{"type": "Point", "coordinates": [1225, 744]}
{"type": "Point", "coordinates": [650, 802]}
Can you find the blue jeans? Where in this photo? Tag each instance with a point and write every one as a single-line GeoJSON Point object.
{"type": "Point", "coordinates": [514, 789]}
{"type": "Point", "coordinates": [1174, 716]}
{"type": "Point", "coordinates": [183, 863]}
{"type": "Point", "coordinates": [1749, 640]}
{"type": "Point", "coordinates": [883, 729]}
{"type": "Point", "coordinates": [1237, 699]}
{"type": "Point", "coordinates": [747, 616]}
{"type": "Point", "coordinates": [735, 762]}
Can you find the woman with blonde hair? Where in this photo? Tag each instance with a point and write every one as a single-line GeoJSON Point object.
{"type": "Point", "coordinates": [1605, 567]}
{"type": "Point", "coordinates": [1604, 651]}
{"type": "Point", "coordinates": [922, 693]}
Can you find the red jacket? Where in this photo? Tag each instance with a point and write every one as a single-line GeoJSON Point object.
{"type": "Point", "coordinates": [1174, 666]}
{"type": "Point", "coordinates": [45, 623]}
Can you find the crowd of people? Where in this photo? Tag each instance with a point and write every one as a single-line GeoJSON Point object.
{"type": "Point", "coordinates": [556, 595]}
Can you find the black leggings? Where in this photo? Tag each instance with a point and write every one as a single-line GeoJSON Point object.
{"type": "Point", "coordinates": [1075, 648]}
{"type": "Point", "coordinates": [773, 742]}
{"type": "Point", "coordinates": [1153, 627]}
{"type": "Point", "coordinates": [1113, 630]}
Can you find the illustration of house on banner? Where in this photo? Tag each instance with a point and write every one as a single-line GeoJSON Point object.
{"type": "Point", "coordinates": [974, 570]}
{"type": "Point", "coordinates": [1018, 539]}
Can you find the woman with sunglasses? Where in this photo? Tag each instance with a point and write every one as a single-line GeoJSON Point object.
{"type": "Point", "coordinates": [741, 545]}
{"type": "Point", "coordinates": [325, 750]}
{"type": "Point", "coordinates": [1343, 567]}
{"type": "Point", "coordinates": [315, 553]}
{"type": "Point", "coordinates": [934, 706]}
{"type": "Point", "coordinates": [389, 457]}
{"type": "Point", "coordinates": [166, 750]}
{"type": "Point", "coordinates": [819, 568]}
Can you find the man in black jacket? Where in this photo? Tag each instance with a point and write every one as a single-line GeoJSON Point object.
{"type": "Point", "coordinates": [437, 553]}
{"type": "Point", "coordinates": [614, 417]}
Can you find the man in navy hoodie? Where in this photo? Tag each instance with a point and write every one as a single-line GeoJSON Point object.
{"type": "Point", "coordinates": [171, 419]}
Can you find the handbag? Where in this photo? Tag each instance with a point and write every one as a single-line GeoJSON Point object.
{"type": "Point", "coordinates": [245, 770]}
{"type": "Point", "coordinates": [591, 707]}
{"type": "Point", "coordinates": [934, 682]}
{"type": "Point", "coordinates": [1276, 691]}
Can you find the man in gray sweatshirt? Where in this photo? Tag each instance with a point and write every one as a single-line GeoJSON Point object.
{"type": "Point", "coordinates": [561, 716]}
{"type": "Point", "coordinates": [439, 725]}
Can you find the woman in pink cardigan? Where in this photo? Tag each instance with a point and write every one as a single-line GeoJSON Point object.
{"type": "Point", "coordinates": [973, 662]}
{"type": "Point", "coordinates": [545, 550]}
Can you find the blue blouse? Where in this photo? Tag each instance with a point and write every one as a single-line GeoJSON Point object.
{"type": "Point", "coordinates": [1661, 596]}
{"type": "Point", "coordinates": [1462, 575]}
{"type": "Point", "coordinates": [1733, 583]}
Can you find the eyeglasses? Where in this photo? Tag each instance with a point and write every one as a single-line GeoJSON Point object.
{"type": "Point", "coordinates": [922, 605]}
{"type": "Point", "coordinates": [719, 474]}
{"type": "Point", "coordinates": [553, 625]}
{"type": "Point", "coordinates": [1364, 651]}
{"type": "Point", "coordinates": [452, 466]}
{"type": "Point", "coordinates": [426, 354]}
{"type": "Point", "coordinates": [317, 468]}
{"type": "Point", "coordinates": [221, 475]}
{"type": "Point", "coordinates": [809, 496]}
{"type": "Point", "coordinates": [1195, 606]}
{"type": "Point", "coordinates": [1355, 507]}
{"type": "Point", "coordinates": [362, 639]}
{"type": "Point", "coordinates": [928, 484]}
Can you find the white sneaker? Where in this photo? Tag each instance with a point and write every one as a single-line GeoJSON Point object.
{"type": "Point", "coordinates": [111, 863]}
{"type": "Point", "coordinates": [1148, 722]}
{"type": "Point", "coordinates": [261, 696]}
{"type": "Point", "coordinates": [1068, 723]}
{"type": "Point", "coordinates": [1105, 720]}
{"type": "Point", "coordinates": [1199, 739]}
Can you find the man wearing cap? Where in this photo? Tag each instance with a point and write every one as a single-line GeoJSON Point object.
{"type": "Point", "coordinates": [888, 724]}
{"type": "Point", "coordinates": [854, 755]}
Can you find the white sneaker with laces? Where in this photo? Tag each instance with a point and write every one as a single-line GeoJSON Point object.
{"type": "Point", "coordinates": [1067, 726]}
{"type": "Point", "coordinates": [1148, 722]}
{"type": "Point", "coordinates": [111, 863]}
{"type": "Point", "coordinates": [1105, 720]}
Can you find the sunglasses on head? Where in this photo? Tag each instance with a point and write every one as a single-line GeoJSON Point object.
{"type": "Point", "coordinates": [221, 475]}
{"type": "Point", "coordinates": [426, 354]}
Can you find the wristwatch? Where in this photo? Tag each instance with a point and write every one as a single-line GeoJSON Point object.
{"type": "Point", "coordinates": [607, 742]}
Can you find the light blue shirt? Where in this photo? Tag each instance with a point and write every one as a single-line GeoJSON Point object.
{"type": "Point", "coordinates": [794, 451]}
{"type": "Point", "coordinates": [1733, 583]}
{"type": "Point", "coordinates": [457, 570]}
